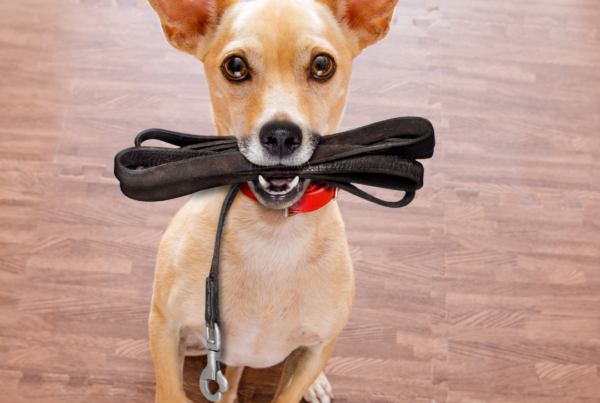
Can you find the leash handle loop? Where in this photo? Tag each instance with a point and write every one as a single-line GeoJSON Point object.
{"type": "Point", "coordinates": [350, 188]}
{"type": "Point", "coordinates": [173, 138]}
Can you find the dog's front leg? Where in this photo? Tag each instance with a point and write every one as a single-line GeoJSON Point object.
{"type": "Point", "coordinates": [233, 375]}
{"type": "Point", "coordinates": [301, 369]}
{"type": "Point", "coordinates": [167, 344]}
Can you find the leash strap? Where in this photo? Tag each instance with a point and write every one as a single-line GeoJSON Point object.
{"type": "Point", "coordinates": [382, 154]}
{"type": "Point", "coordinates": [212, 372]}
{"type": "Point", "coordinates": [211, 313]}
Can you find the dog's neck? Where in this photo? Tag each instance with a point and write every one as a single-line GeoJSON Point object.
{"type": "Point", "coordinates": [294, 239]}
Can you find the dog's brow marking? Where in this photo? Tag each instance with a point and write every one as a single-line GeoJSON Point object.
{"type": "Point", "coordinates": [317, 41]}
{"type": "Point", "coordinates": [236, 45]}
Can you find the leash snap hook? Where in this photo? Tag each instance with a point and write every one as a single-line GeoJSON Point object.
{"type": "Point", "coordinates": [212, 372]}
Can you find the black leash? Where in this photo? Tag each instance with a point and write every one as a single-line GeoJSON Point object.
{"type": "Point", "coordinates": [381, 154]}
{"type": "Point", "coordinates": [212, 372]}
{"type": "Point", "coordinates": [211, 313]}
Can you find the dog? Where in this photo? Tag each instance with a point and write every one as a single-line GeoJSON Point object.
{"type": "Point", "coordinates": [278, 73]}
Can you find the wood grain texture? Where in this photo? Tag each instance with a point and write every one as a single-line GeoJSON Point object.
{"type": "Point", "coordinates": [485, 289]}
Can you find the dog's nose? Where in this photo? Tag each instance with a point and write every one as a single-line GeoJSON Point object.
{"type": "Point", "coordinates": [281, 137]}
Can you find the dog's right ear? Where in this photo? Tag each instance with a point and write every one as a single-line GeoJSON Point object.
{"type": "Point", "coordinates": [187, 22]}
{"type": "Point", "coordinates": [369, 20]}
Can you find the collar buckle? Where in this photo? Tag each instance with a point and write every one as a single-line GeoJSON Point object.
{"type": "Point", "coordinates": [288, 213]}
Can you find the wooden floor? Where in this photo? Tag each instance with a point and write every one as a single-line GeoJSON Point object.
{"type": "Point", "coordinates": [485, 289]}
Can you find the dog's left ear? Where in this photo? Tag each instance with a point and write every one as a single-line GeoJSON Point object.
{"type": "Point", "coordinates": [187, 22]}
{"type": "Point", "coordinates": [369, 19]}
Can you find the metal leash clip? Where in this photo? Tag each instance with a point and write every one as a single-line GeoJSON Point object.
{"type": "Point", "coordinates": [212, 372]}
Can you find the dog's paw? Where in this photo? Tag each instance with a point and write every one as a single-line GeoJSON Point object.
{"type": "Point", "coordinates": [320, 391]}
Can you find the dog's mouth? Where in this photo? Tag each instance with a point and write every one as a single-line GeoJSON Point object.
{"type": "Point", "coordinates": [278, 192]}
{"type": "Point", "coordinates": [278, 186]}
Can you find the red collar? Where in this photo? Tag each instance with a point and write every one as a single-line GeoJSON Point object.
{"type": "Point", "coordinates": [316, 196]}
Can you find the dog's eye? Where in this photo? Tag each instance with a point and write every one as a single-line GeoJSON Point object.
{"type": "Point", "coordinates": [234, 68]}
{"type": "Point", "coordinates": [323, 67]}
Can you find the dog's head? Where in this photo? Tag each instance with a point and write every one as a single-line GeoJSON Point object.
{"type": "Point", "coordinates": [278, 71]}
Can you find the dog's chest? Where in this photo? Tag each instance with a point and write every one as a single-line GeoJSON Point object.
{"type": "Point", "coordinates": [266, 342]}
{"type": "Point", "coordinates": [264, 321]}
{"type": "Point", "coordinates": [282, 294]}
{"type": "Point", "coordinates": [282, 284]}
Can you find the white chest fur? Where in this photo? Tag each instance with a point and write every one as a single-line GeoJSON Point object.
{"type": "Point", "coordinates": [284, 282]}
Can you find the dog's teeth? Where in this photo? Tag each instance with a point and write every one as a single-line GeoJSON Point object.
{"type": "Point", "coordinates": [267, 185]}
{"type": "Point", "coordinates": [277, 193]}
{"type": "Point", "coordinates": [263, 182]}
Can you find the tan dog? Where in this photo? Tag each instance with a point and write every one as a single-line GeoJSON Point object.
{"type": "Point", "coordinates": [278, 73]}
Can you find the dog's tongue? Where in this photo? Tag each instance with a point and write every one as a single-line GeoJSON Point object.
{"type": "Point", "coordinates": [279, 181]}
